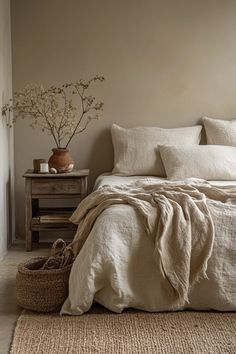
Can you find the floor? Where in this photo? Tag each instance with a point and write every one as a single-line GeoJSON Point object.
{"type": "Point", "coordinates": [9, 311]}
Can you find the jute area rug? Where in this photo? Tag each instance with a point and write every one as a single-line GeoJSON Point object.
{"type": "Point", "coordinates": [100, 331]}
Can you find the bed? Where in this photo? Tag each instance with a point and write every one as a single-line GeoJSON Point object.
{"type": "Point", "coordinates": [116, 268]}
{"type": "Point", "coordinates": [160, 243]}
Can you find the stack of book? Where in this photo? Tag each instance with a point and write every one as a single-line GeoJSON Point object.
{"type": "Point", "coordinates": [57, 215]}
{"type": "Point", "coordinates": [55, 218]}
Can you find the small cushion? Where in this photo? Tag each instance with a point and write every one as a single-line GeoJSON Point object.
{"type": "Point", "coordinates": [220, 132]}
{"type": "Point", "coordinates": [136, 149]}
{"type": "Point", "coordinates": [210, 162]}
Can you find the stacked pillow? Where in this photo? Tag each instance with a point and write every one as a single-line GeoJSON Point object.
{"type": "Point", "coordinates": [136, 149]}
{"type": "Point", "coordinates": [220, 132]}
{"type": "Point", "coordinates": [176, 153]}
{"type": "Point", "coordinates": [210, 162]}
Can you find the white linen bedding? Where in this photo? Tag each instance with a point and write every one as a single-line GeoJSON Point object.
{"type": "Point", "coordinates": [116, 266]}
{"type": "Point", "coordinates": [115, 180]}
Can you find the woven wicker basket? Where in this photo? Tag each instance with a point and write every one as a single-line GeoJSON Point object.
{"type": "Point", "coordinates": [41, 290]}
{"type": "Point", "coordinates": [42, 282]}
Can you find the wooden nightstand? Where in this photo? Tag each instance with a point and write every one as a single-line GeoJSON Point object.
{"type": "Point", "coordinates": [51, 186]}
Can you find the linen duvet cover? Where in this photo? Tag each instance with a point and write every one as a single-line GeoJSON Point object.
{"type": "Point", "coordinates": [117, 265]}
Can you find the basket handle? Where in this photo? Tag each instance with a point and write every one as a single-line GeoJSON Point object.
{"type": "Point", "coordinates": [61, 256]}
{"type": "Point", "coordinates": [58, 247]}
{"type": "Point", "coordinates": [67, 257]}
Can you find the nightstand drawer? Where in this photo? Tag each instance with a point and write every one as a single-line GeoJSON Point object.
{"type": "Point", "coordinates": [56, 186]}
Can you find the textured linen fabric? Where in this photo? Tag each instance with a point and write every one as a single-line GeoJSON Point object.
{"type": "Point", "coordinates": [210, 162]}
{"type": "Point", "coordinates": [114, 180]}
{"type": "Point", "coordinates": [220, 132]}
{"type": "Point", "coordinates": [121, 266]}
{"type": "Point", "coordinates": [136, 149]}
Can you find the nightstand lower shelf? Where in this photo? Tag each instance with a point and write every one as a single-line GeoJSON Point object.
{"type": "Point", "coordinates": [39, 226]}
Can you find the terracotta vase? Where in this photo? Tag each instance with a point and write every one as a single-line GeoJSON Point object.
{"type": "Point", "coordinates": [61, 160]}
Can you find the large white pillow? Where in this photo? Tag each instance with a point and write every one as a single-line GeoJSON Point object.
{"type": "Point", "coordinates": [220, 132]}
{"type": "Point", "coordinates": [136, 149]}
{"type": "Point", "coordinates": [210, 162]}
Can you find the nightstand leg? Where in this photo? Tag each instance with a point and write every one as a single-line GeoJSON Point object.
{"type": "Point", "coordinates": [35, 210]}
{"type": "Point", "coordinates": [28, 214]}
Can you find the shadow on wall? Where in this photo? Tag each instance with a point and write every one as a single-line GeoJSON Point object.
{"type": "Point", "coordinates": [10, 207]}
{"type": "Point", "coordinates": [101, 156]}
{"type": "Point", "coordinates": [203, 133]}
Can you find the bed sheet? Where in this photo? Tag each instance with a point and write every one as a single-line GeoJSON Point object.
{"type": "Point", "coordinates": [112, 180]}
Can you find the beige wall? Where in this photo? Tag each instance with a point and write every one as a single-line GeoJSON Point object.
{"type": "Point", "coordinates": [5, 135]}
{"type": "Point", "coordinates": [166, 63]}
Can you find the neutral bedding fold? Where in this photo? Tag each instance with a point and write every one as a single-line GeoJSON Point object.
{"type": "Point", "coordinates": [178, 217]}
{"type": "Point", "coordinates": [116, 180]}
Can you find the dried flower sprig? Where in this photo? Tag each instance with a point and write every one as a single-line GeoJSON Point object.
{"type": "Point", "coordinates": [62, 111]}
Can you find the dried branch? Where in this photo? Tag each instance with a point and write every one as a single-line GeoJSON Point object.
{"type": "Point", "coordinates": [63, 111]}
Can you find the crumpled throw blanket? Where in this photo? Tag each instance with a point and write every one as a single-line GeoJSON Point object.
{"type": "Point", "coordinates": [177, 217]}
